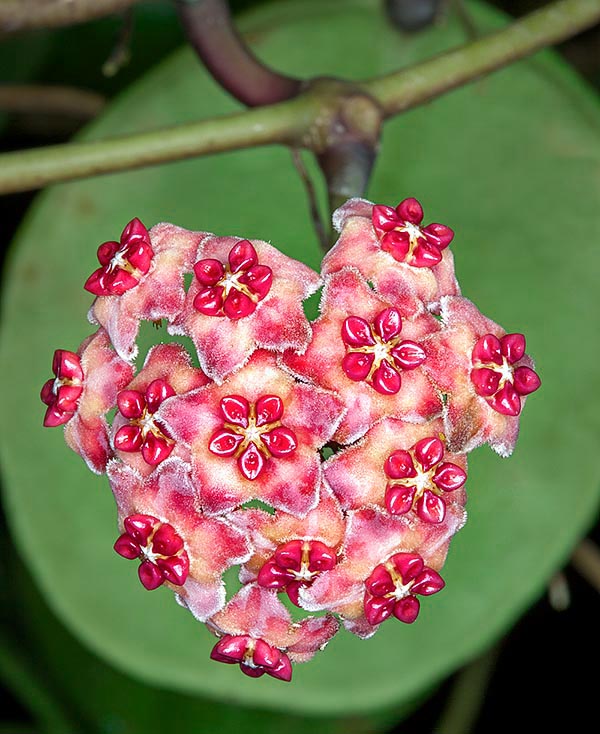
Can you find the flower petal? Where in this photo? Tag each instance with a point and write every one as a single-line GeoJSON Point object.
{"type": "Point", "coordinates": [429, 452]}
{"type": "Point", "coordinates": [388, 324]}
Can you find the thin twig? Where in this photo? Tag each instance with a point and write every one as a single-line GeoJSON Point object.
{"type": "Point", "coordinates": [467, 695]}
{"type": "Point", "coordinates": [466, 20]}
{"type": "Point", "coordinates": [559, 594]}
{"type": "Point", "coordinates": [402, 90]}
{"type": "Point", "coordinates": [293, 123]}
{"type": "Point", "coordinates": [586, 560]}
{"type": "Point", "coordinates": [121, 53]}
{"type": "Point", "coordinates": [27, 15]}
{"type": "Point", "coordinates": [210, 30]}
{"type": "Point", "coordinates": [51, 100]}
{"type": "Point", "coordinates": [313, 204]}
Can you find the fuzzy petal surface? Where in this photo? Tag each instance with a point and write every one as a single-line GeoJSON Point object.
{"type": "Point", "coordinates": [267, 532]}
{"type": "Point", "coordinates": [469, 420]}
{"type": "Point", "coordinates": [357, 475]}
{"type": "Point", "coordinates": [212, 544]}
{"type": "Point", "coordinates": [159, 294]}
{"type": "Point", "coordinates": [372, 536]}
{"type": "Point", "coordinates": [288, 483]}
{"type": "Point", "coordinates": [105, 373]}
{"type": "Point", "coordinates": [347, 294]}
{"type": "Point", "coordinates": [359, 247]}
{"type": "Point", "coordinates": [277, 323]}
{"type": "Point", "coordinates": [257, 612]}
{"type": "Point", "coordinates": [170, 363]}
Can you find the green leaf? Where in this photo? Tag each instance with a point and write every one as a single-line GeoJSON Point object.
{"type": "Point", "coordinates": [512, 163]}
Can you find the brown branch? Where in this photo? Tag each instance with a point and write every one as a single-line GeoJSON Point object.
{"type": "Point", "coordinates": [307, 120]}
{"type": "Point", "coordinates": [311, 194]}
{"type": "Point", "coordinates": [586, 560]}
{"type": "Point", "coordinates": [26, 15]}
{"type": "Point", "coordinates": [210, 30]}
{"type": "Point", "coordinates": [47, 100]}
{"type": "Point", "coordinates": [468, 695]}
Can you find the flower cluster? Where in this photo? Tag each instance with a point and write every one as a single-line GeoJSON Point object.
{"type": "Point", "coordinates": [326, 460]}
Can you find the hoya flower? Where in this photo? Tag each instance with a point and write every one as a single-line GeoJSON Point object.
{"type": "Point", "coordinates": [372, 538]}
{"type": "Point", "coordinates": [82, 392]}
{"type": "Point", "coordinates": [142, 432]}
{"type": "Point", "coordinates": [162, 528]}
{"type": "Point", "coordinates": [366, 350]}
{"type": "Point", "coordinates": [393, 586]}
{"type": "Point", "coordinates": [400, 232]}
{"type": "Point", "coordinates": [153, 293]}
{"type": "Point", "coordinates": [122, 264]}
{"type": "Point", "coordinates": [291, 552]}
{"type": "Point", "coordinates": [158, 546]}
{"type": "Point", "coordinates": [407, 263]}
{"type": "Point", "coordinates": [257, 632]}
{"type": "Point", "coordinates": [497, 375]}
{"type": "Point", "coordinates": [244, 295]}
{"type": "Point", "coordinates": [256, 436]}
{"type": "Point", "coordinates": [485, 374]}
{"type": "Point", "coordinates": [139, 437]}
{"type": "Point", "coordinates": [62, 393]}
{"type": "Point", "coordinates": [402, 467]}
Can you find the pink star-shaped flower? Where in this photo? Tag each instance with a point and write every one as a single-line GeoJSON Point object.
{"type": "Point", "coordinates": [157, 292]}
{"type": "Point", "coordinates": [61, 394]}
{"type": "Point", "coordinates": [366, 350]}
{"type": "Point", "coordinates": [82, 392]}
{"type": "Point", "coordinates": [392, 588]}
{"type": "Point", "coordinates": [402, 467]}
{"type": "Point", "coordinates": [258, 634]}
{"type": "Point", "coordinates": [290, 552]}
{"type": "Point", "coordinates": [139, 437]}
{"type": "Point", "coordinates": [405, 262]}
{"type": "Point", "coordinates": [122, 264]}
{"type": "Point", "coordinates": [245, 295]}
{"type": "Point", "coordinates": [163, 527]}
{"type": "Point", "coordinates": [485, 375]}
{"type": "Point", "coordinates": [256, 436]}
{"type": "Point", "coordinates": [372, 537]}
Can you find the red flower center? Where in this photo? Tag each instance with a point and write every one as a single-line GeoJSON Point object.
{"type": "Point", "coordinates": [419, 478]}
{"type": "Point", "coordinates": [233, 289]}
{"type": "Point", "coordinates": [376, 354]}
{"type": "Point", "coordinates": [159, 547]}
{"type": "Point", "coordinates": [124, 263]}
{"type": "Point", "coordinates": [496, 375]}
{"type": "Point", "coordinates": [392, 587]}
{"type": "Point", "coordinates": [255, 657]}
{"type": "Point", "coordinates": [252, 433]}
{"type": "Point", "coordinates": [143, 433]}
{"type": "Point", "coordinates": [296, 564]}
{"type": "Point", "coordinates": [61, 394]}
{"type": "Point", "coordinates": [400, 234]}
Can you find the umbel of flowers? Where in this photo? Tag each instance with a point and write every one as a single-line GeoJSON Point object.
{"type": "Point", "coordinates": [327, 460]}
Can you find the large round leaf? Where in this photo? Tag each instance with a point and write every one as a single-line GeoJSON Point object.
{"type": "Point", "coordinates": [513, 164]}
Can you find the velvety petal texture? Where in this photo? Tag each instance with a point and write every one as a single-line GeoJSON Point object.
{"type": "Point", "coordinates": [478, 366]}
{"type": "Point", "coordinates": [212, 544]}
{"type": "Point", "coordinates": [225, 427]}
{"type": "Point", "coordinates": [104, 374]}
{"type": "Point", "coordinates": [157, 295]}
{"type": "Point", "coordinates": [245, 295]}
{"type": "Point", "coordinates": [372, 537]}
{"type": "Point", "coordinates": [382, 379]}
{"type": "Point", "coordinates": [402, 467]}
{"type": "Point", "coordinates": [364, 228]}
{"type": "Point", "coordinates": [257, 614]}
{"type": "Point", "coordinates": [327, 461]}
